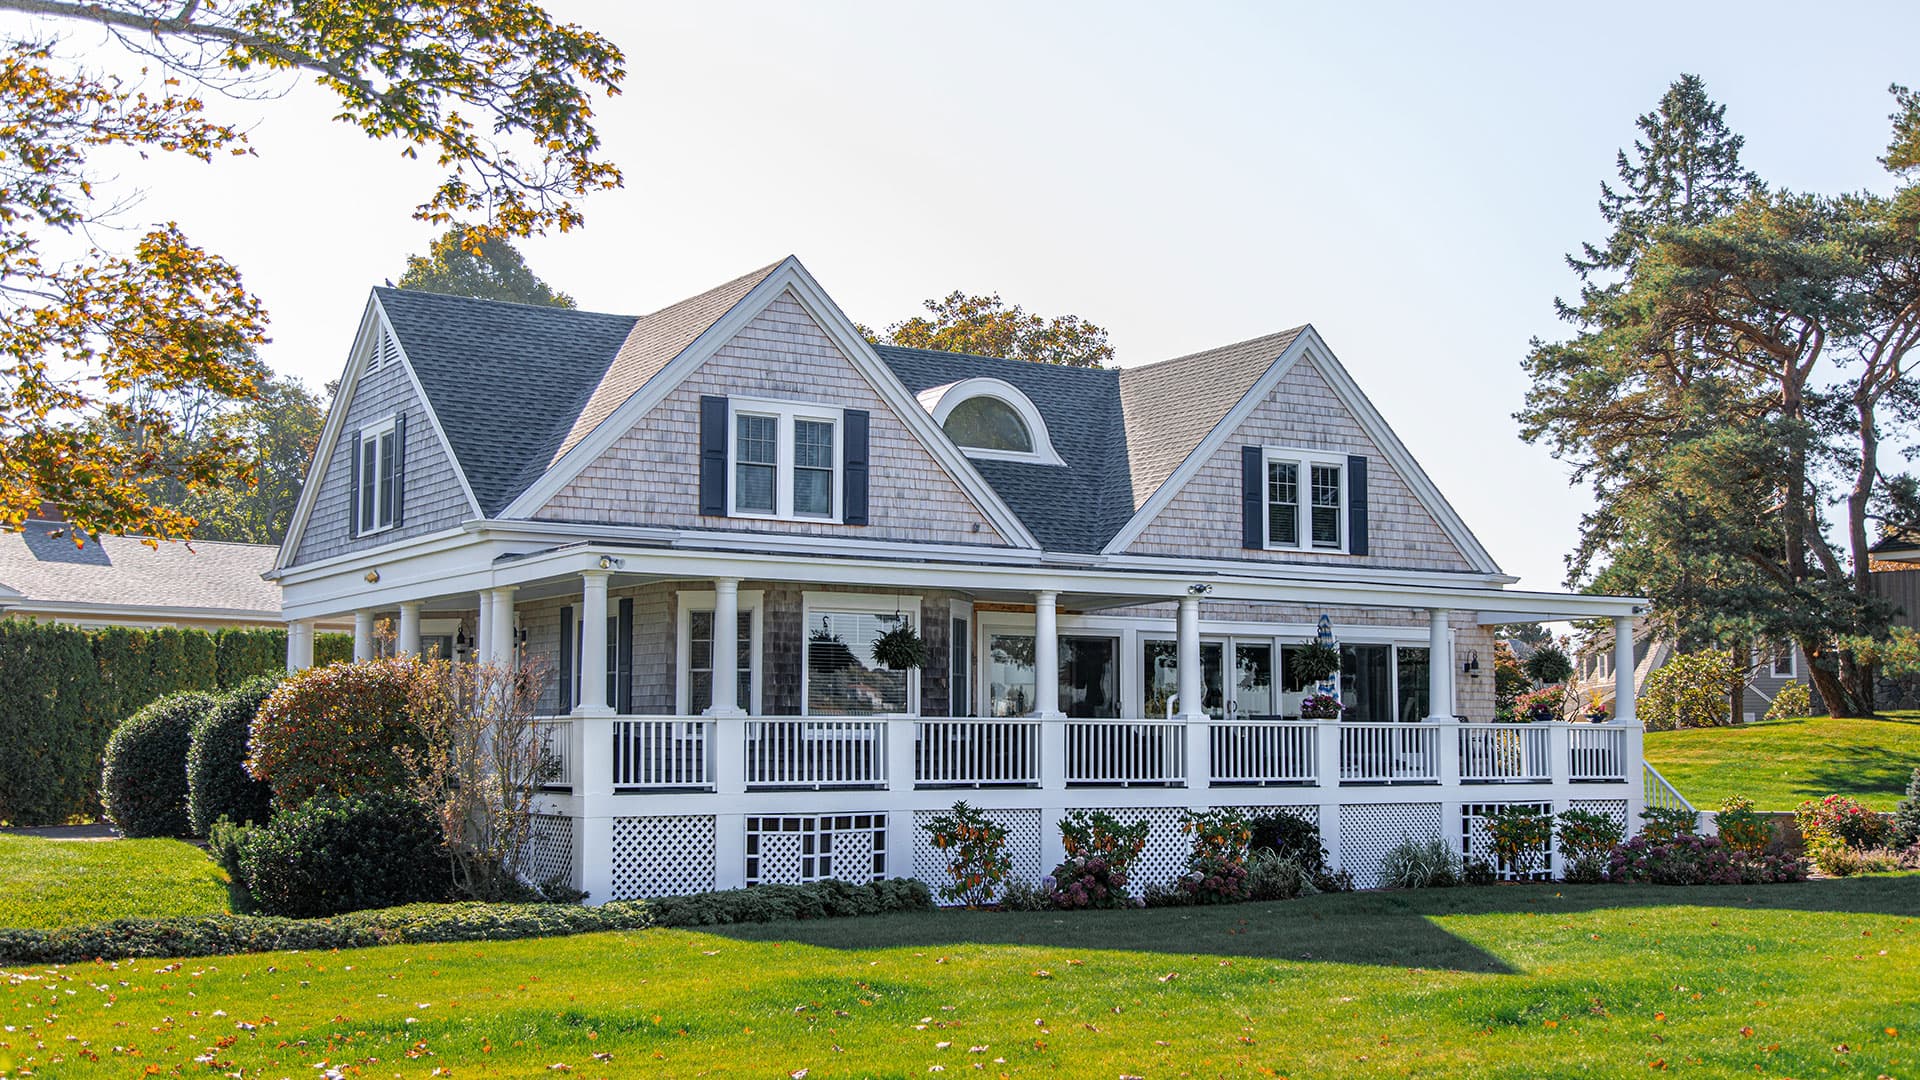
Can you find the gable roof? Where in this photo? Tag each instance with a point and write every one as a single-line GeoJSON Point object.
{"type": "Point", "coordinates": [471, 356]}
{"type": "Point", "coordinates": [1077, 505]}
{"type": "Point", "coordinates": [1170, 406]}
{"type": "Point", "coordinates": [40, 565]}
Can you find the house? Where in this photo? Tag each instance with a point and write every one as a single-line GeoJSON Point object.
{"type": "Point", "coordinates": [704, 518]}
{"type": "Point", "coordinates": [1768, 669]}
{"type": "Point", "coordinates": [128, 581]}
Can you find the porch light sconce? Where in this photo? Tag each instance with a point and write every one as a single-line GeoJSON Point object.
{"type": "Point", "coordinates": [608, 562]}
{"type": "Point", "coordinates": [373, 577]}
{"type": "Point", "coordinates": [1199, 590]}
{"type": "Point", "coordinates": [460, 643]}
{"type": "Point", "coordinates": [520, 635]}
{"type": "Point", "coordinates": [1472, 664]}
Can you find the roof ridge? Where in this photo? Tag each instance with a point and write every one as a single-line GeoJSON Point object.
{"type": "Point", "coordinates": [1198, 353]}
{"type": "Point", "coordinates": [97, 537]}
{"type": "Point", "coordinates": [499, 303]}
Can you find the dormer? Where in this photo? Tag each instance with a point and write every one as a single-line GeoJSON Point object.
{"type": "Point", "coordinates": [991, 419]}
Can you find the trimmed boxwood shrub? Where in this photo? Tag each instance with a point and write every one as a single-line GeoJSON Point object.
{"type": "Point", "coordinates": [144, 784]}
{"type": "Point", "coordinates": [342, 853]}
{"type": "Point", "coordinates": [334, 729]}
{"type": "Point", "coordinates": [218, 785]}
{"type": "Point", "coordinates": [213, 935]}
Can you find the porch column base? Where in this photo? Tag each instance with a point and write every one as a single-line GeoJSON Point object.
{"type": "Point", "coordinates": [362, 635]}
{"type": "Point", "coordinates": [730, 851]}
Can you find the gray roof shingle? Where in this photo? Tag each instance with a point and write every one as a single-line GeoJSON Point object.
{"type": "Point", "coordinates": [39, 562]}
{"type": "Point", "coordinates": [1171, 405]}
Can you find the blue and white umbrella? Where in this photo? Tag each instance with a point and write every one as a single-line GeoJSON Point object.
{"type": "Point", "coordinates": [1330, 684]}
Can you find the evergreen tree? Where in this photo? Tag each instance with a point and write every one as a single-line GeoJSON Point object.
{"type": "Point", "coordinates": [469, 262]}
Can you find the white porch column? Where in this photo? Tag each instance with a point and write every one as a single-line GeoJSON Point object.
{"type": "Point", "coordinates": [1187, 653]}
{"type": "Point", "coordinates": [1439, 667]}
{"type": "Point", "coordinates": [726, 648]}
{"type": "Point", "coordinates": [500, 636]}
{"type": "Point", "coordinates": [362, 635]}
{"type": "Point", "coordinates": [593, 645]}
{"type": "Point", "coordinates": [1046, 655]}
{"type": "Point", "coordinates": [299, 645]}
{"type": "Point", "coordinates": [483, 629]}
{"type": "Point", "coordinates": [408, 643]}
{"type": "Point", "coordinates": [1623, 689]}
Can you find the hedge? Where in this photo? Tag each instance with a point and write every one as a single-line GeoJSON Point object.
{"type": "Point", "coordinates": [143, 786]}
{"type": "Point", "coordinates": [217, 782]}
{"type": "Point", "coordinates": [214, 935]}
{"type": "Point", "coordinates": [63, 690]}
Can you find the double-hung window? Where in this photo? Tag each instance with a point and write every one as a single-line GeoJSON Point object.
{"type": "Point", "coordinates": [375, 499]}
{"type": "Point", "coordinates": [786, 460]}
{"type": "Point", "coordinates": [1306, 501]}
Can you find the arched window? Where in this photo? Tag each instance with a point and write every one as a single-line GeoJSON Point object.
{"type": "Point", "coordinates": [987, 423]}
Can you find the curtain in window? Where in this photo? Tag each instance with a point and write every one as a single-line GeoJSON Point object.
{"type": "Point", "coordinates": [843, 679]}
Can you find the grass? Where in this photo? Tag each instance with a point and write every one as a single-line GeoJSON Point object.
{"type": "Point", "coordinates": [50, 883]}
{"type": "Point", "coordinates": [1522, 981]}
{"type": "Point", "coordinates": [1780, 763]}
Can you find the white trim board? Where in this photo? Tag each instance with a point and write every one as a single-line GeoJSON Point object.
{"type": "Point", "coordinates": [1308, 344]}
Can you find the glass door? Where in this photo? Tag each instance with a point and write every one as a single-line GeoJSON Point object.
{"type": "Point", "coordinates": [1090, 677]}
{"type": "Point", "coordinates": [1252, 696]}
{"type": "Point", "coordinates": [1252, 692]}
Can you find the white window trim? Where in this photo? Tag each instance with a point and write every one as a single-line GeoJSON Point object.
{"type": "Point", "coordinates": [372, 432]}
{"type": "Point", "coordinates": [784, 414]}
{"type": "Point", "coordinates": [1306, 460]}
{"type": "Point", "coordinates": [852, 603]}
{"type": "Point", "coordinates": [942, 400]}
{"type": "Point", "coordinates": [688, 602]}
{"type": "Point", "coordinates": [1793, 665]}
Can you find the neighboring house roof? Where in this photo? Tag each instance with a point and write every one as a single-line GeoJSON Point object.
{"type": "Point", "coordinates": [507, 381]}
{"type": "Point", "coordinates": [1172, 406]}
{"type": "Point", "coordinates": [42, 570]}
{"type": "Point", "coordinates": [1075, 506]}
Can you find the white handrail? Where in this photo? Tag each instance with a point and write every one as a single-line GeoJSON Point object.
{"type": "Point", "coordinates": [965, 752]}
{"type": "Point", "coordinates": [1505, 753]}
{"type": "Point", "coordinates": [662, 754]}
{"type": "Point", "coordinates": [1659, 793]}
{"type": "Point", "coordinates": [1121, 753]}
{"type": "Point", "coordinates": [810, 753]}
{"type": "Point", "coordinates": [1264, 752]}
{"type": "Point", "coordinates": [1597, 753]}
{"type": "Point", "coordinates": [1389, 753]}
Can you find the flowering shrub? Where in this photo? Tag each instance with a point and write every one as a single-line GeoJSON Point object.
{"type": "Point", "coordinates": [1520, 835]}
{"type": "Point", "coordinates": [1100, 851]}
{"type": "Point", "coordinates": [1698, 860]}
{"type": "Point", "coordinates": [1539, 706]}
{"type": "Point", "coordinates": [1687, 691]}
{"type": "Point", "coordinates": [1320, 707]}
{"type": "Point", "coordinates": [976, 851]}
{"type": "Point", "coordinates": [1794, 699]}
{"type": "Point", "coordinates": [1587, 841]}
{"type": "Point", "coordinates": [335, 729]}
{"type": "Point", "coordinates": [1838, 860]}
{"type": "Point", "coordinates": [1839, 819]}
{"type": "Point", "coordinates": [1743, 828]}
{"type": "Point", "coordinates": [1662, 824]}
{"type": "Point", "coordinates": [1217, 865]}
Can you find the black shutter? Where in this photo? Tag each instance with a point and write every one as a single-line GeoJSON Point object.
{"type": "Point", "coordinates": [353, 486]}
{"type": "Point", "coordinates": [398, 468]}
{"type": "Point", "coordinates": [623, 661]}
{"type": "Point", "coordinates": [853, 468]}
{"type": "Point", "coordinates": [713, 455]}
{"type": "Point", "coordinates": [1253, 508]}
{"type": "Point", "coordinates": [1357, 505]}
{"type": "Point", "coordinates": [566, 658]}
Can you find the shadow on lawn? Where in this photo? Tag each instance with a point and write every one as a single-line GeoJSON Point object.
{"type": "Point", "coordinates": [1389, 929]}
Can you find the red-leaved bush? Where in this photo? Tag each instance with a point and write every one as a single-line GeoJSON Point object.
{"type": "Point", "coordinates": [340, 729]}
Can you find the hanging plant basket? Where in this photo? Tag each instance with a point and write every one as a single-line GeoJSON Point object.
{"type": "Point", "coordinates": [901, 648]}
{"type": "Point", "coordinates": [1313, 662]}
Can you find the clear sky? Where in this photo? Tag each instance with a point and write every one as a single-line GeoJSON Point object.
{"type": "Point", "coordinates": [1407, 180]}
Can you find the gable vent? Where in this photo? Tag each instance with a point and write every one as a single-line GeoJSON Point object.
{"type": "Point", "coordinates": [386, 351]}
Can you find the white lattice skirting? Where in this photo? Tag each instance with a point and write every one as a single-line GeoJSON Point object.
{"type": "Point", "coordinates": [662, 856]}
{"type": "Point", "coordinates": [550, 849]}
{"type": "Point", "coordinates": [1023, 846]}
{"type": "Point", "coordinates": [1477, 843]}
{"type": "Point", "coordinates": [793, 849]}
{"type": "Point", "coordinates": [1369, 830]}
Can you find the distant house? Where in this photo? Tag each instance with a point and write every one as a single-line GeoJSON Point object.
{"type": "Point", "coordinates": [120, 581]}
{"type": "Point", "coordinates": [1769, 669]}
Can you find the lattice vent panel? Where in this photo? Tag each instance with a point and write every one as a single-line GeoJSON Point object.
{"type": "Point", "coordinates": [1164, 858]}
{"type": "Point", "coordinates": [793, 849]}
{"type": "Point", "coordinates": [662, 856]}
{"type": "Point", "coordinates": [1023, 845]}
{"type": "Point", "coordinates": [1476, 843]}
{"type": "Point", "coordinates": [1615, 809]}
{"type": "Point", "coordinates": [1309, 814]}
{"type": "Point", "coordinates": [550, 849]}
{"type": "Point", "coordinates": [1369, 830]}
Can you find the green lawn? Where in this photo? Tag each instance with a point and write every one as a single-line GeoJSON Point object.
{"type": "Point", "coordinates": [1780, 763]}
{"type": "Point", "coordinates": [48, 883]}
{"type": "Point", "coordinates": [1525, 981]}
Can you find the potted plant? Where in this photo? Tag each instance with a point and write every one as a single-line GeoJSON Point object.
{"type": "Point", "coordinates": [1538, 706]}
{"type": "Point", "coordinates": [1320, 707]}
{"type": "Point", "coordinates": [901, 648]}
{"type": "Point", "coordinates": [1313, 662]}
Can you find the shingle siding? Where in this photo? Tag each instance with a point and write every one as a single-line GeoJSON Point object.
{"type": "Point", "coordinates": [651, 474]}
{"type": "Point", "coordinates": [1203, 519]}
{"type": "Point", "coordinates": [434, 498]}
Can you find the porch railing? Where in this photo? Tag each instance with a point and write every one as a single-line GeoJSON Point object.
{"type": "Point", "coordinates": [976, 753]}
{"type": "Point", "coordinates": [816, 754]}
{"type": "Point", "coordinates": [1597, 753]}
{"type": "Point", "coordinates": [1259, 753]}
{"type": "Point", "coordinates": [1123, 753]}
{"type": "Point", "coordinates": [556, 749]}
{"type": "Point", "coordinates": [1389, 753]}
{"type": "Point", "coordinates": [1505, 753]}
{"type": "Point", "coordinates": [662, 755]}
